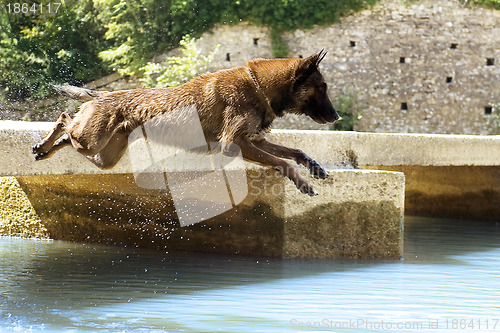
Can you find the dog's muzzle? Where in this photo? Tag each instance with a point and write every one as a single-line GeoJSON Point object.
{"type": "Point", "coordinates": [327, 117]}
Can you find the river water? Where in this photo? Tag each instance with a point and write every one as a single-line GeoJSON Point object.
{"type": "Point", "coordinates": [448, 281]}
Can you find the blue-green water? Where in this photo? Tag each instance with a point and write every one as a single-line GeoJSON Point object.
{"type": "Point", "coordinates": [449, 281]}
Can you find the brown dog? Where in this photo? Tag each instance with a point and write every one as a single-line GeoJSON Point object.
{"type": "Point", "coordinates": [235, 105]}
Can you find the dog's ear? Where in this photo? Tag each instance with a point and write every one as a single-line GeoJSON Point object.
{"type": "Point", "coordinates": [319, 56]}
{"type": "Point", "coordinates": [308, 65]}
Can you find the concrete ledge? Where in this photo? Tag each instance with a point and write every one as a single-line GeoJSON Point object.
{"type": "Point", "coordinates": [380, 149]}
{"type": "Point", "coordinates": [450, 176]}
{"type": "Point", "coordinates": [460, 192]}
{"type": "Point", "coordinates": [358, 214]}
{"type": "Point", "coordinates": [333, 149]}
{"type": "Point", "coordinates": [16, 141]}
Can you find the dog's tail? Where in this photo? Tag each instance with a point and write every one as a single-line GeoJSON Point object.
{"type": "Point", "coordinates": [80, 94]}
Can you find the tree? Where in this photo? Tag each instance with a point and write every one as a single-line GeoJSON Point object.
{"type": "Point", "coordinates": [38, 49]}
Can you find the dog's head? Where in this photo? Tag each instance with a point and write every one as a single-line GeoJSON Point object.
{"type": "Point", "coordinates": [309, 91]}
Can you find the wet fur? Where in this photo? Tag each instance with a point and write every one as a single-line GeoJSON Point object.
{"type": "Point", "coordinates": [236, 105]}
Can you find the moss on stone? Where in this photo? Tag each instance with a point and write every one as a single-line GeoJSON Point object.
{"type": "Point", "coordinates": [17, 215]}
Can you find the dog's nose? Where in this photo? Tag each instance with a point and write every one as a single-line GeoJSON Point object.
{"type": "Point", "coordinates": [332, 116]}
{"type": "Point", "coordinates": [335, 116]}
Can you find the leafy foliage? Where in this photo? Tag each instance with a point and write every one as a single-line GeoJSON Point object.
{"type": "Point", "coordinates": [174, 71]}
{"type": "Point", "coordinates": [349, 108]}
{"type": "Point", "coordinates": [37, 50]}
{"type": "Point", "coordinates": [279, 46]}
{"type": "Point", "coordinates": [487, 3]}
{"type": "Point", "coordinates": [493, 119]}
{"type": "Point", "coordinates": [136, 30]}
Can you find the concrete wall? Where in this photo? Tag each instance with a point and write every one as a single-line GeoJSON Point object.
{"type": "Point", "coordinates": [358, 214]}
{"type": "Point", "coordinates": [333, 149]}
{"type": "Point", "coordinates": [453, 176]}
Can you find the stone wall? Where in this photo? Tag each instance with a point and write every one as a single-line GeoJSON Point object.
{"type": "Point", "coordinates": [430, 66]}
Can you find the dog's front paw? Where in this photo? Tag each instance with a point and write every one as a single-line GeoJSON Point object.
{"type": "Point", "coordinates": [316, 169]}
{"type": "Point", "coordinates": [41, 156]}
{"type": "Point", "coordinates": [37, 148]}
{"type": "Point", "coordinates": [306, 188]}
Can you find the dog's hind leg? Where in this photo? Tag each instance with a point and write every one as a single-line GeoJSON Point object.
{"type": "Point", "coordinates": [108, 156]}
{"type": "Point", "coordinates": [45, 146]}
{"type": "Point", "coordinates": [256, 154]}
{"type": "Point", "coordinates": [63, 141]}
{"type": "Point", "coordinates": [295, 154]}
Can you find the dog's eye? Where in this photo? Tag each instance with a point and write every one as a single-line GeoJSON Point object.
{"type": "Point", "coordinates": [322, 87]}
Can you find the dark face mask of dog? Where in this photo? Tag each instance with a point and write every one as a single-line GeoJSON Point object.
{"type": "Point", "coordinates": [310, 91]}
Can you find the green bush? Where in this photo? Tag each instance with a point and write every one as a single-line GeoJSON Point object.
{"type": "Point", "coordinates": [349, 108]}
{"type": "Point", "coordinates": [37, 50]}
{"type": "Point", "coordinates": [493, 119]}
{"type": "Point", "coordinates": [279, 46]}
{"type": "Point", "coordinates": [488, 3]}
{"type": "Point", "coordinates": [138, 29]}
{"type": "Point", "coordinates": [174, 71]}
